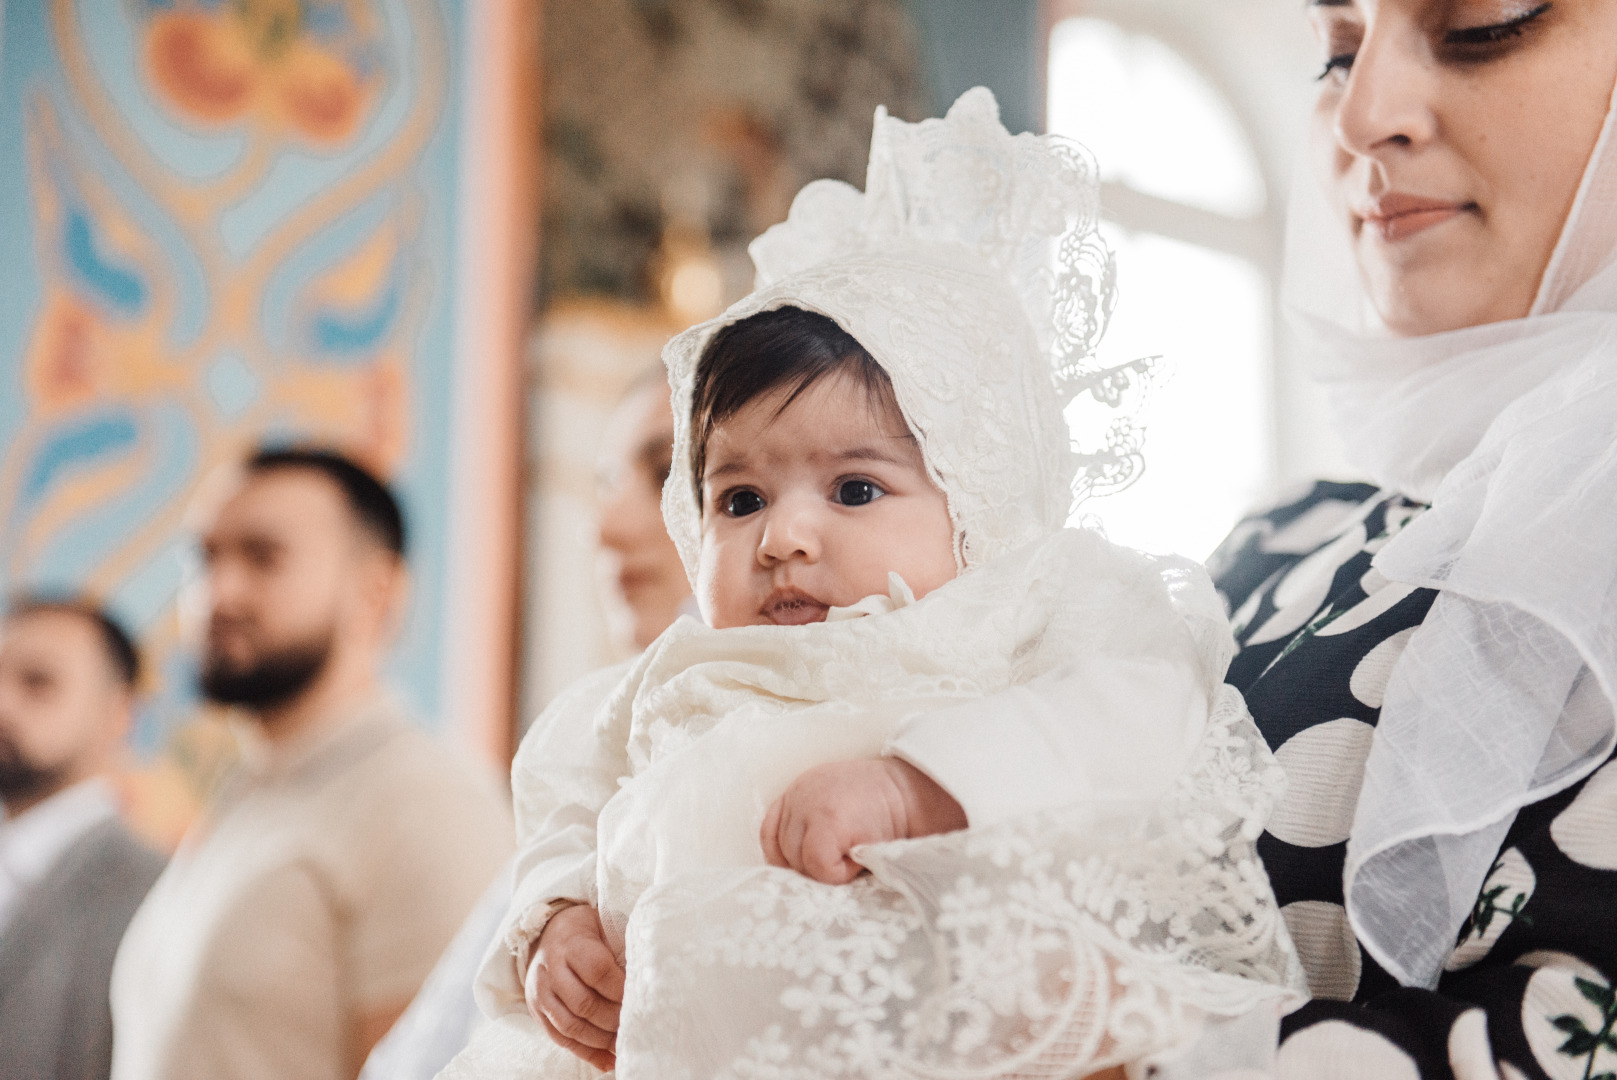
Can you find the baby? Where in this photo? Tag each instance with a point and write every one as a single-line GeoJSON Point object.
{"type": "Point", "coordinates": [737, 859]}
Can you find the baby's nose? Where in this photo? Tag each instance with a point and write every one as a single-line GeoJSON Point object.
{"type": "Point", "coordinates": [791, 531]}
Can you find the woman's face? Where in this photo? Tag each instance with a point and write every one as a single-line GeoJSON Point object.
{"type": "Point", "coordinates": [1454, 134]}
{"type": "Point", "coordinates": [643, 565]}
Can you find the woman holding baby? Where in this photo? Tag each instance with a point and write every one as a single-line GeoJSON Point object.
{"type": "Point", "coordinates": [1431, 656]}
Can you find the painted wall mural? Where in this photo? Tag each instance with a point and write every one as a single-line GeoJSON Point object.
{"type": "Point", "coordinates": [222, 221]}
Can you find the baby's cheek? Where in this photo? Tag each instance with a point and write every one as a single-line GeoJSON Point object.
{"type": "Point", "coordinates": [932, 572]}
{"type": "Point", "coordinates": [720, 588]}
{"type": "Point", "coordinates": [930, 553]}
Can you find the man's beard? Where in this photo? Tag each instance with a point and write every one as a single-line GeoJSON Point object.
{"type": "Point", "coordinates": [23, 779]}
{"type": "Point", "coordinates": [273, 678]}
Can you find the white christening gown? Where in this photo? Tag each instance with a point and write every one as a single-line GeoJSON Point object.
{"type": "Point", "coordinates": [1047, 945]}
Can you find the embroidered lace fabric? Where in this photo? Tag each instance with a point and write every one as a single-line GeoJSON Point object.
{"type": "Point", "coordinates": [1048, 946]}
{"type": "Point", "coordinates": [971, 269]}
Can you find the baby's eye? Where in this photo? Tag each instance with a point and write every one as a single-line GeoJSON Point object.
{"type": "Point", "coordinates": [743, 502]}
{"type": "Point", "coordinates": [858, 492]}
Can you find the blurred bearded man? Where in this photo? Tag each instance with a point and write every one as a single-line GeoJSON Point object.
{"type": "Point", "coordinates": [71, 875]}
{"type": "Point", "coordinates": [309, 903]}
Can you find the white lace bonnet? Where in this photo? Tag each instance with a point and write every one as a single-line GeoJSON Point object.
{"type": "Point", "coordinates": [971, 270]}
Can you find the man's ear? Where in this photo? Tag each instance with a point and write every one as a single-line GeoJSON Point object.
{"type": "Point", "coordinates": [120, 719]}
{"type": "Point", "coordinates": [392, 594]}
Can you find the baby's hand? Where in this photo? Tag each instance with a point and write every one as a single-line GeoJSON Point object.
{"type": "Point", "coordinates": [831, 809]}
{"type": "Point", "coordinates": [574, 986]}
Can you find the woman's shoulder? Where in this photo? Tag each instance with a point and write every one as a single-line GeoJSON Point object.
{"type": "Point", "coordinates": [1297, 523]}
{"type": "Point", "coordinates": [1324, 501]}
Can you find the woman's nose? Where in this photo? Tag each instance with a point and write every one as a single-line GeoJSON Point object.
{"type": "Point", "coordinates": [623, 511]}
{"type": "Point", "coordinates": [611, 518]}
{"type": "Point", "coordinates": [791, 531]}
{"type": "Point", "coordinates": [1387, 105]}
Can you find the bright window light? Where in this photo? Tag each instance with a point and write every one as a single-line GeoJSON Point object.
{"type": "Point", "coordinates": [1151, 120]}
{"type": "Point", "coordinates": [1159, 128]}
{"type": "Point", "coordinates": [1206, 440]}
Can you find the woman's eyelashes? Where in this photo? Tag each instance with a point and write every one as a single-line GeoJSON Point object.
{"type": "Point", "coordinates": [1488, 39]}
{"type": "Point", "coordinates": [1465, 44]}
{"type": "Point", "coordinates": [1341, 62]}
{"type": "Point", "coordinates": [1342, 37]}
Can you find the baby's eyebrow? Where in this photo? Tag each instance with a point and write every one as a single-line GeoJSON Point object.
{"type": "Point", "coordinates": [870, 453]}
{"type": "Point", "coordinates": [853, 453]}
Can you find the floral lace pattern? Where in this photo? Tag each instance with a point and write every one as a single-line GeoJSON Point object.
{"type": "Point", "coordinates": [972, 271]}
{"type": "Point", "coordinates": [1049, 946]}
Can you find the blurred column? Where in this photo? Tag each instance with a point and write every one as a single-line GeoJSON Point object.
{"type": "Point", "coordinates": [498, 244]}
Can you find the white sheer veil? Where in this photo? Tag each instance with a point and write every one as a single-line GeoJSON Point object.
{"type": "Point", "coordinates": [1505, 693]}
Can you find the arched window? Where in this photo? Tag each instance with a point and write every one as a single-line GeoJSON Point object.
{"type": "Point", "coordinates": [1189, 215]}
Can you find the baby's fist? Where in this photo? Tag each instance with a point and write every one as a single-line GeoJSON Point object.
{"type": "Point", "coordinates": [831, 809]}
{"type": "Point", "coordinates": [574, 986]}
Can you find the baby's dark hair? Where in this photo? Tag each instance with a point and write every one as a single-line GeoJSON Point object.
{"type": "Point", "coordinates": [784, 348]}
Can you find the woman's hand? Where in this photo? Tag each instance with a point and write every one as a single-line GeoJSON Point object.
{"type": "Point", "coordinates": [574, 986]}
{"type": "Point", "coordinates": [831, 809]}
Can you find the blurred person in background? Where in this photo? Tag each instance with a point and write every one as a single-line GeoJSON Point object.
{"type": "Point", "coordinates": [71, 875]}
{"type": "Point", "coordinates": [646, 575]}
{"type": "Point", "coordinates": [645, 590]}
{"type": "Point", "coordinates": [312, 898]}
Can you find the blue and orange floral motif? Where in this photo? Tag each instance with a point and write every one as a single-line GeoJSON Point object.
{"type": "Point", "coordinates": [305, 67]}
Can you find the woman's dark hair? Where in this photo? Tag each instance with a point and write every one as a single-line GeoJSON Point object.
{"type": "Point", "coordinates": [785, 348]}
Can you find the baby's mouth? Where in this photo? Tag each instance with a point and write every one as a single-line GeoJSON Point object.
{"type": "Point", "coordinates": [793, 607]}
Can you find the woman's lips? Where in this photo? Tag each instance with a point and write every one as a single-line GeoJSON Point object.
{"type": "Point", "coordinates": [1398, 217]}
{"type": "Point", "coordinates": [793, 607]}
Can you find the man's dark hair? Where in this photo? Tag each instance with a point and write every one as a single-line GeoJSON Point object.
{"type": "Point", "coordinates": [786, 347]}
{"type": "Point", "coordinates": [123, 658]}
{"type": "Point", "coordinates": [372, 502]}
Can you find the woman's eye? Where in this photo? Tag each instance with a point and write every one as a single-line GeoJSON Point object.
{"type": "Point", "coordinates": [1475, 37]}
{"type": "Point", "coordinates": [741, 503]}
{"type": "Point", "coordinates": [858, 492]}
{"type": "Point", "coordinates": [1342, 63]}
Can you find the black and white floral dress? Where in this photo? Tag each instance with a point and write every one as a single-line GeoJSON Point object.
{"type": "Point", "coordinates": [1529, 988]}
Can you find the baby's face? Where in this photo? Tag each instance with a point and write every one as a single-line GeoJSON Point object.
{"type": "Point", "coordinates": [811, 509]}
